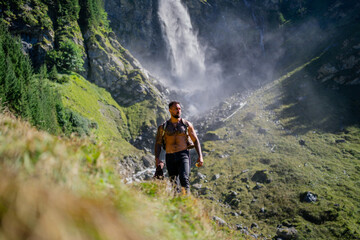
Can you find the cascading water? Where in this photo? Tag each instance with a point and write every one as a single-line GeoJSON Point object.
{"type": "Point", "coordinates": [198, 81]}
{"type": "Point", "coordinates": [184, 51]}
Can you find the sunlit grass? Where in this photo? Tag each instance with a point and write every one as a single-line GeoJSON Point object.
{"type": "Point", "coordinates": [67, 188]}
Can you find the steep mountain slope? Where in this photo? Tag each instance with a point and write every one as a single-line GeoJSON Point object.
{"type": "Point", "coordinates": [284, 161]}
{"type": "Point", "coordinates": [280, 161]}
{"type": "Point", "coordinates": [75, 36]}
{"type": "Point", "coordinates": [67, 188]}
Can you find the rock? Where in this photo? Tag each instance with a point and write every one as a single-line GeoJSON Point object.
{"type": "Point", "coordinates": [340, 140]}
{"type": "Point", "coordinates": [211, 136]}
{"type": "Point", "coordinates": [200, 175]}
{"type": "Point", "coordinates": [262, 130]}
{"type": "Point", "coordinates": [148, 176]}
{"type": "Point", "coordinates": [215, 177]}
{"type": "Point", "coordinates": [244, 180]}
{"type": "Point", "coordinates": [249, 116]}
{"type": "Point", "coordinates": [197, 186]}
{"type": "Point", "coordinates": [239, 226]}
{"type": "Point", "coordinates": [262, 210]}
{"type": "Point", "coordinates": [219, 221]}
{"type": "Point", "coordinates": [286, 233]}
{"type": "Point", "coordinates": [148, 160]}
{"type": "Point", "coordinates": [245, 171]}
{"type": "Point", "coordinates": [233, 193]}
{"type": "Point", "coordinates": [302, 142]}
{"type": "Point", "coordinates": [254, 225]}
{"type": "Point", "coordinates": [261, 177]}
{"type": "Point", "coordinates": [235, 214]}
{"type": "Point", "coordinates": [258, 186]}
{"type": "Point", "coordinates": [308, 197]}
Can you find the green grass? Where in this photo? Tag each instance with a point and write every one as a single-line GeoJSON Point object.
{"type": "Point", "coordinates": [72, 184]}
{"type": "Point", "coordinates": [97, 105]}
{"type": "Point", "coordinates": [291, 109]}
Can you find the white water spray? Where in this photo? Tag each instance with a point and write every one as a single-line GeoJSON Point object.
{"type": "Point", "coordinates": [184, 51]}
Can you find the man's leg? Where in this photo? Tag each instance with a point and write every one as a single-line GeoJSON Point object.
{"type": "Point", "coordinates": [172, 167]}
{"type": "Point", "coordinates": [184, 170]}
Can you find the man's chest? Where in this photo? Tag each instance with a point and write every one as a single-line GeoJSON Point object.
{"type": "Point", "coordinates": [178, 129]}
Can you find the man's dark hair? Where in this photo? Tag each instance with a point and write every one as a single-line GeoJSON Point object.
{"type": "Point", "coordinates": [173, 103]}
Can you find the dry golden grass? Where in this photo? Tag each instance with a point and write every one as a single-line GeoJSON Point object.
{"type": "Point", "coordinates": [68, 188]}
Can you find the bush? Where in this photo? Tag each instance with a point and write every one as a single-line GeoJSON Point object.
{"type": "Point", "coordinates": [67, 58]}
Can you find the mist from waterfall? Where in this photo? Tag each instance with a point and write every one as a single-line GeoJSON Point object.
{"type": "Point", "coordinates": [187, 57]}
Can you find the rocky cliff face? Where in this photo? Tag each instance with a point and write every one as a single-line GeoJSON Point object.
{"type": "Point", "coordinates": [42, 26]}
{"type": "Point", "coordinates": [252, 41]}
{"type": "Point", "coordinates": [31, 22]}
{"type": "Point", "coordinates": [137, 27]}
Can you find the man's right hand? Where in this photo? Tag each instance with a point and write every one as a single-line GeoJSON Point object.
{"type": "Point", "coordinates": [161, 164]}
{"type": "Point", "coordinates": [158, 162]}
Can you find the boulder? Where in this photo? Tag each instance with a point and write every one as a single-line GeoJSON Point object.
{"type": "Point", "coordinates": [148, 160]}
{"type": "Point", "coordinates": [262, 130]}
{"type": "Point", "coordinates": [216, 176]}
{"type": "Point", "coordinates": [308, 197]}
{"type": "Point", "coordinates": [219, 221]}
{"type": "Point", "coordinates": [257, 186]}
{"type": "Point", "coordinates": [286, 233]}
{"type": "Point", "coordinates": [197, 186]}
{"type": "Point", "coordinates": [211, 136]}
{"type": "Point", "coordinates": [200, 175]}
{"type": "Point", "coordinates": [254, 225]}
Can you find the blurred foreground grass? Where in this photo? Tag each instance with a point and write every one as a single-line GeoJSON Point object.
{"type": "Point", "coordinates": [68, 188]}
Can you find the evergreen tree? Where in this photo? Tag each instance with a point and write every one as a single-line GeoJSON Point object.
{"type": "Point", "coordinates": [34, 102]}
{"type": "Point", "coordinates": [2, 70]}
{"type": "Point", "coordinates": [53, 75]}
{"type": "Point", "coordinates": [12, 86]}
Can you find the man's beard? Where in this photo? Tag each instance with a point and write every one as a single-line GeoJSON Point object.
{"type": "Point", "coordinates": [176, 116]}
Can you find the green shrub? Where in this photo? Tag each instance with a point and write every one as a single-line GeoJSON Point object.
{"type": "Point", "coordinates": [67, 58]}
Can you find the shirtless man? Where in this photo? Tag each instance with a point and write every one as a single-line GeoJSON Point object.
{"type": "Point", "coordinates": [176, 146]}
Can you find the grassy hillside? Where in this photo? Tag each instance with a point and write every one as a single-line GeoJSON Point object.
{"type": "Point", "coordinates": [97, 105]}
{"type": "Point", "coordinates": [292, 137]}
{"type": "Point", "coordinates": [67, 188]}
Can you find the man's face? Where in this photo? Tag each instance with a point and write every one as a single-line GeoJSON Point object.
{"type": "Point", "coordinates": [175, 111]}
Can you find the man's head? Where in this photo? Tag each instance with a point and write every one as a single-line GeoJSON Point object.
{"type": "Point", "coordinates": [175, 109]}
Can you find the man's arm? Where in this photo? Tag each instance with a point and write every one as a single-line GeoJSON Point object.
{"type": "Point", "coordinates": [196, 142]}
{"type": "Point", "coordinates": [158, 143]}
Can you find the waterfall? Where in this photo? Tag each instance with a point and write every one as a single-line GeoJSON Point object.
{"type": "Point", "coordinates": [185, 54]}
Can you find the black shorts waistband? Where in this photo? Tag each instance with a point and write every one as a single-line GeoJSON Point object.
{"type": "Point", "coordinates": [175, 153]}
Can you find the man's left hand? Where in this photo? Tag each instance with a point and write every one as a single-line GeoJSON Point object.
{"type": "Point", "coordinates": [200, 161]}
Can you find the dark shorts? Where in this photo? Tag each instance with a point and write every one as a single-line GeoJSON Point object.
{"type": "Point", "coordinates": [178, 166]}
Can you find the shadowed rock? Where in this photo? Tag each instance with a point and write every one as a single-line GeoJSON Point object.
{"type": "Point", "coordinates": [261, 177]}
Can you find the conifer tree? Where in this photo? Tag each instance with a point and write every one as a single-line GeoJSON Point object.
{"type": "Point", "coordinates": [12, 86]}
{"type": "Point", "coordinates": [53, 75]}
{"type": "Point", "coordinates": [2, 70]}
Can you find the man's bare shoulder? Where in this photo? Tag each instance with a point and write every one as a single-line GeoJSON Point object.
{"type": "Point", "coordinates": [187, 122]}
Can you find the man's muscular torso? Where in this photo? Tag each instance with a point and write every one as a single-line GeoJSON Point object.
{"type": "Point", "coordinates": [175, 137]}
